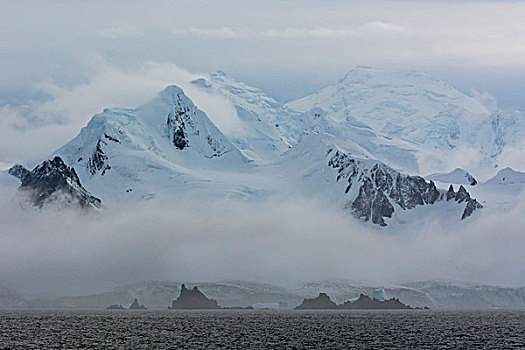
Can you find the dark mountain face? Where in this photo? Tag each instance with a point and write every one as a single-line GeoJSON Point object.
{"type": "Point", "coordinates": [378, 189]}
{"type": "Point", "coordinates": [98, 161]}
{"type": "Point", "coordinates": [18, 171]}
{"type": "Point", "coordinates": [54, 182]}
{"type": "Point", "coordinates": [471, 179]}
{"type": "Point", "coordinates": [463, 196]}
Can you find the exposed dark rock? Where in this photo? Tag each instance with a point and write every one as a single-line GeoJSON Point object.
{"type": "Point", "coordinates": [381, 207]}
{"type": "Point", "coordinates": [365, 302]}
{"type": "Point", "coordinates": [321, 302]}
{"type": "Point", "coordinates": [54, 182]}
{"type": "Point", "coordinates": [375, 189]}
{"type": "Point", "coordinates": [136, 306]}
{"type": "Point", "coordinates": [98, 160]}
{"type": "Point", "coordinates": [187, 126]}
{"type": "Point", "coordinates": [18, 171]}
{"type": "Point", "coordinates": [115, 307]}
{"type": "Point", "coordinates": [471, 179]}
{"type": "Point", "coordinates": [450, 193]}
{"type": "Point", "coordinates": [472, 205]}
{"type": "Point", "coordinates": [462, 195]}
{"type": "Point", "coordinates": [177, 125]}
{"type": "Point", "coordinates": [193, 299]}
{"type": "Point", "coordinates": [111, 138]}
{"type": "Point", "coordinates": [179, 138]}
{"type": "Point", "coordinates": [362, 205]}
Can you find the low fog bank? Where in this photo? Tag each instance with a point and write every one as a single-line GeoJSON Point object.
{"type": "Point", "coordinates": [284, 243]}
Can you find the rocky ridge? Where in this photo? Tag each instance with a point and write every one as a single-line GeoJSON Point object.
{"type": "Point", "coordinates": [53, 183]}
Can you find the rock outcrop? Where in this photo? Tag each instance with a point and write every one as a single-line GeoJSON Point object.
{"type": "Point", "coordinates": [18, 171]}
{"type": "Point", "coordinates": [375, 190]}
{"type": "Point", "coordinates": [115, 307]}
{"type": "Point", "coordinates": [321, 302]}
{"type": "Point", "coordinates": [463, 196]}
{"type": "Point", "coordinates": [53, 182]}
{"type": "Point", "coordinates": [193, 299]}
{"type": "Point", "coordinates": [365, 302]}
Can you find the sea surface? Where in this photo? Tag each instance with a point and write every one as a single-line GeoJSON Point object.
{"type": "Point", "coordinates": [253, 329]}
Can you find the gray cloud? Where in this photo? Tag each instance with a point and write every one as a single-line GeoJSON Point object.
{"type": "Point", "coordinates": [37, 128]}
{"type": "Point", "coordinates": [115, 33]}
{"type": "Point", "coordinates": [278, 242]}
{"type": "Point", "coordinates": [294, 47]}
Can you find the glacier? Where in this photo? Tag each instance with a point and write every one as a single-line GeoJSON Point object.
{"type": "Point", "coordinates": [360, 146]}
{"type": "Point", "coordinates": [430, 126]}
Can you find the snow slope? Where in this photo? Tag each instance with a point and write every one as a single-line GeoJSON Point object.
{"type": "Point", "coordinates": [367, 188]}
{"type": "Point", "coordinates": [169, 147]}
{"type": "Point", "coordinates": [267, 127]}
{"type": "Point", "coordinates": [375, 125]}
{"type": "Point", "coordinates": [456, 176]}
{"type": "Point", "coordinates": [156, 148]}
{"type": "Point", "coordinates": [503, 192]}
{"type": "Point", "coordinates": [432, 126]}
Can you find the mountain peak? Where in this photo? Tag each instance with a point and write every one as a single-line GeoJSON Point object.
{"type": "Point", "coordinates": [402, 117]}
{"type": "Point", "coordinates": [363, 74]}
{"type": "Point", "coordinates": [54, 182]}
{"type": "Point", "coordinates": [508, 176]}
{"type": "Point", "coordinates": [172, 94]}
{"type": "Point", "coordinates": [456, 176]}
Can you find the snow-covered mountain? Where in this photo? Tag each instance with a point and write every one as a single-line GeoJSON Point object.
{"type": "Point", "coordinates": [417, 123]}
{"type": "Point", "coordinates": [267, 128]}
{"type": "Point", "coordinates": [369, 189]}
{"type": "Point", "coordinates": [139, 153]}
{"type": "Point", "coordinates": [507, 177]}
{"type": "Point", "coordinates": [456, 176]}
{"type": "Point", "coordinates": [501, 193]}
{"type": "Point", "coordinates": [358, 145]}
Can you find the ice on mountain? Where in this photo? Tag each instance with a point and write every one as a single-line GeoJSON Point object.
{"type": "Point", "coordinates": [456, 176]}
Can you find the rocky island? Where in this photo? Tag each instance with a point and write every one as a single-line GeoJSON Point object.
{"type": "Point", "coordinates": [135, 305]}
{"type": "Point", "coordinates": [321, 302]}
{"type": "Point", "coordinates": [193, 299]}
{"type": "Point", "coordinates": [364, 302]}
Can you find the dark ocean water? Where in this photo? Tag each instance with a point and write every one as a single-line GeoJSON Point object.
{"type": "Point", "coordinates": [243, 329]}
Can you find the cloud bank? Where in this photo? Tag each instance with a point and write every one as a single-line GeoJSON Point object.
{"type": "Point", "coordinates": [276, 242]}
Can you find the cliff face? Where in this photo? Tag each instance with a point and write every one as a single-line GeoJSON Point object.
{"type": "Point", "coordinates": [193, 299]}
{"type": "Point", "coordinates": [321, 302]}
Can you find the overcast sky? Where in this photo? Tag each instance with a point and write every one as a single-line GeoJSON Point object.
{"type": "Point", "coordinates": [80, 56]}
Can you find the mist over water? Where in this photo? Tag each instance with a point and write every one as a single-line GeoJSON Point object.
{"type": "Point", "coordinates": [65, 252]}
